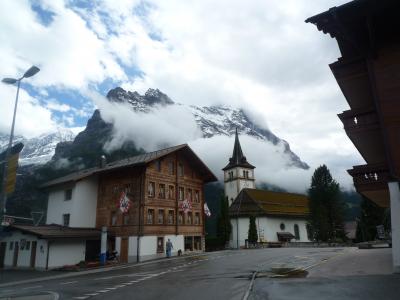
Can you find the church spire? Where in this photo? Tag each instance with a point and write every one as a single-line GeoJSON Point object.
{"type": "Point", "coordinates": [237, 159]}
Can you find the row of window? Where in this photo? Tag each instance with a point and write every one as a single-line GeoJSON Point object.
{"type": "Point", "coordinates": [171, 168]}
{"type": "Point", "coordinates": [22, 246]}
{"type": "Point", "coordinates": [170, 220]}
{"type": "Point", "coordinates": [245, 174]}
{"type": "Point", "coordinates": [169, 193]}
{"type": "Point", "coordinates": [191, 243]}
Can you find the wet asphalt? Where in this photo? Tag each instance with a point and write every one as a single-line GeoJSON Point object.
{"type": "Point", "coordinates": [225, 275]}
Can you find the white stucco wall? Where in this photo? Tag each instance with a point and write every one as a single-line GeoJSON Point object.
{"type": "Point", "coordinates": [82, 206]}
{"type": "Point", "coordinates": [24, 256]}
{"type": "Point", "coordinates": [66, 253]}
{"type": "Point", "coordinates": [148, 246]}
{"type": "Point", "coordinates": [267, 227]}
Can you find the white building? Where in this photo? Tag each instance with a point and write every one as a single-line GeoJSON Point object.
{"type": "Point", "coordinates": [279, 216]}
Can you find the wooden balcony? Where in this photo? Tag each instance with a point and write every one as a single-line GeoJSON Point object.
{"type": "Point", "coordinates": [363, 128]}
{"type": "Point", "coordinates": [353, 79]}
{"type": "Point", "coordinates": [372, 181]}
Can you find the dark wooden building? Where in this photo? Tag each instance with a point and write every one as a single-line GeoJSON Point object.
{"type": "Point", "coordinates": [368, 73]}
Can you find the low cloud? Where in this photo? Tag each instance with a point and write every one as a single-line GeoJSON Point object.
{"type": "Point", "coordinates": [165, 126]}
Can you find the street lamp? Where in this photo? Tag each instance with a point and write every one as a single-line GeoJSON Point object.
{"type": "Point", "coordinates": [29, 73]}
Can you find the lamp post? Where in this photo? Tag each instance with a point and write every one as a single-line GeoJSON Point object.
{"type": "Point", "coordinates": [29, 73]}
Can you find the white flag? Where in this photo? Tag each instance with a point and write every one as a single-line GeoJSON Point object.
{"type": "Point", "coordinates": [207, 211]}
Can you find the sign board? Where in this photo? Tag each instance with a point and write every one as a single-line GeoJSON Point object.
{"type": "Point", "coordinates": [12, 165]}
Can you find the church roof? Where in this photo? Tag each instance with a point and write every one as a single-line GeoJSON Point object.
{"type": "Point", "coordinates": [259, 202]}
{"type": "Point", "coordinates": [237, 159]}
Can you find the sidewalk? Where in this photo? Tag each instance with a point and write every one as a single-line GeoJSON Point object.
{"type": "Point", "coordinates": [10, 277]}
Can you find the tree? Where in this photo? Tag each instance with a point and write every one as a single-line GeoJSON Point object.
{"type": "Point", "coordinates": [224, 224]}
{"type": "Point", "coordinates": [252, 234]}
{"type": "Point", "coordinates": [371, 216]}
{"type": "Point", "coordinates": [326, 207]}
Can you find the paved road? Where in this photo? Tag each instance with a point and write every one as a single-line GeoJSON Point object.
{"type": "Point", "coordinates": [219, 275]}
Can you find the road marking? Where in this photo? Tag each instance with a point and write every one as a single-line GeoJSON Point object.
{"type": "Point", "coordinates": [124, 275]}
{"type": "Point", "coordinates": [82, 297]}
{"type": "Point", "coordinates": [68, 282]}
{"type": "Point", "coordinates": [103, 291]}
{"type": "Point", "coordinates": [134, 281]}
{"type": "Point", "coordinates": [32, 287]}
{"type": "Point", "coordinates": [111, 288]}
{"type": "Point", "coordinates": [92, 294]}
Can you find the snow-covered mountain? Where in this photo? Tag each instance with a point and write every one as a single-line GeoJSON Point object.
{"type": "Point", "coordinates": [212, 120]}
{"type": "Point", "coordinates": [38, 150]}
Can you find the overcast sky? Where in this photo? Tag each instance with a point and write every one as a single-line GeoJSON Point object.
{"type": "Point", "coordinates": [258, 55]}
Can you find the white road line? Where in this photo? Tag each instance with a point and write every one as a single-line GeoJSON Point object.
{"type": "Point", "coordinates": [112, 288]}
{"type": "Point", "coordinates": [92, 294]}
{"type": "Point", "coordinates": [103, 291]}
{"type": "Point", "coordinates": [134, 281]}
{"type": "Point", "coordinates": [68, 282]}
{"type": "Point", "coordinates": [83, 297]}
{"type": "Point", "coordinates": [32, 287]}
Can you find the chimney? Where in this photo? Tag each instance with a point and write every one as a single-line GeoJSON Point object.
{"type": "Point", "coordinates": [103, 161]}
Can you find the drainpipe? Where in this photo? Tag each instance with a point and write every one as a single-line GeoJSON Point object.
{"type": "Point", "coordinates": [141, 195]}
{"type": "Point", "coordinates": [48, 252]}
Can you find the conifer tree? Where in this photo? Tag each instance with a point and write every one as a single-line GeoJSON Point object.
{"type": "Point", "coordinates": [371, 216]}
{"type": "Point", "coordinates": [252, 233]}
{"type": "Point", "coordinates": [224, 224]}
{"type": "Point", "coordinates": [326, 207]}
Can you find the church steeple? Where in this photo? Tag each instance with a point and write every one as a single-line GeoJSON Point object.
{"type": "Point", "coordinates": [237, 159]}
{"type": "Point", "coordinates": [238, 173]}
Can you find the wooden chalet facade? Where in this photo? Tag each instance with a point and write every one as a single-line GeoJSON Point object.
{"type": "Point", "coordinates": [368, 73]}
{"type": "Point", "coordinates": [156, 184]}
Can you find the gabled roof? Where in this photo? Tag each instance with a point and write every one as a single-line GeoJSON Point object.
{"type": "Point", "coordinates": [54, 231]}
{"type": "Point", "coordinates": [138, 160]}
{"type": "Point", "coordinates": [260, 202]}
{"type": "Point", "coordinates": [237, 159]}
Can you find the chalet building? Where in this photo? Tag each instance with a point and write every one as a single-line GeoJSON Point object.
{"type": "Point", "coordinates": [139, 200]}
{"type": "Point", "coordinates": [368, 73]}
{"type": "Point", "coordinates": [279, 216]}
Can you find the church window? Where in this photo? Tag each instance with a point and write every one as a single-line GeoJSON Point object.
{"type": "Point", "coordinates": [296, 232]}
{"type": "Point", "coordinates": [189, 194]}
{"type": "Point", "coordinates": [68, 194]}
{"type": "Point", "coordinates": [282, 226]}
{"type": "Point", "coordinates": [196, 196]}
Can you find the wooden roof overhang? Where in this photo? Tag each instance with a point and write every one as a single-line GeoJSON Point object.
{"type": "Point", "coordinates": [371, 181]}
{"type": "Point", "coordinates": [367, 33]}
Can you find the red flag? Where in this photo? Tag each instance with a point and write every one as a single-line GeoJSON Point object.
{"type": "Point", "coordinates": [124, 203]}
{"type": "Point", "coordinates": [186, 206]}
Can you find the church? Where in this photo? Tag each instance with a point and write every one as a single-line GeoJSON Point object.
{"type": "Point", "coordinates": [280, 217]}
